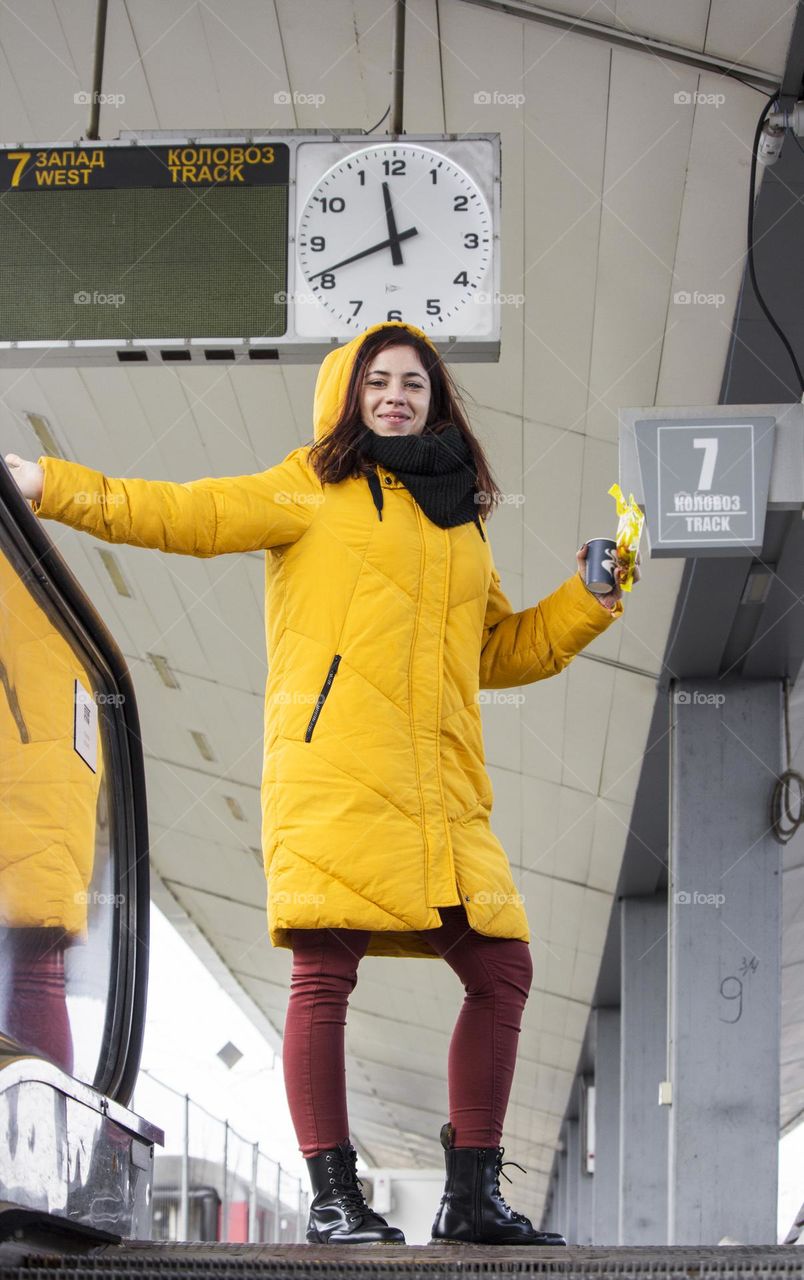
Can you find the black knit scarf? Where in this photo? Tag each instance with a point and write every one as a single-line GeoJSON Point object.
{"type": "Point", "coordinates": [438, 470]}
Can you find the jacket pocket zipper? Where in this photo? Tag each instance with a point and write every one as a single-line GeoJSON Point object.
{"type": "Point", "coordinates": [322, 697]}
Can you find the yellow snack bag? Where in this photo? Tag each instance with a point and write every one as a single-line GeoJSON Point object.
{"type": "Point", "coordinates": [629, 531]}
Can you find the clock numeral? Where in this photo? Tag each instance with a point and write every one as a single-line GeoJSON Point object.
{"type": "Point", "coordinates": [357, 303]}
{"type": "Point", "coordinates": [331, 204]}
{"type": "Point", "coordinates": [433, 307]}
{"type": "Point", "coordinates": [361, 173]}
{"type": "Point", "coordinates": [317, 243]}
{"type": "Point", "coordinates": [394, 167]}
{"type": "Point", "coordinates": [461, 204]}
{"type": "Point", "coordinates": [471, 240]}
{"type": "Point", "coordinates": [327, 280]}
{"type": "Point", "coordinates": [434, 175]}
{"type": "Point", "coordinates": [461, 278]}
{"type": "Point", "coordinates": [394, 315]}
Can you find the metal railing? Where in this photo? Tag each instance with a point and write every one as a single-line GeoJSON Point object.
{"type": "Point", "coordinates": [212, 1183]}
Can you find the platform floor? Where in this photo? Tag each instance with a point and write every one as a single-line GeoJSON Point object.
{"type": "Point", "coordinates": [147, 1259]}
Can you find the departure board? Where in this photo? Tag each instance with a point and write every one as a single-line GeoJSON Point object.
{"type": "Point", "coordinates": [143, 241]}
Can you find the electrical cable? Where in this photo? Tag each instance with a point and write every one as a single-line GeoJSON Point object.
{"type": "Point", "coordinates": [379, 122]}
{"type": "Point", "coordinates": [751, 193]}
{"type": "Point", "coordinates": [783, 805]}
{"type": "Point", "coordinates": [747, 84]}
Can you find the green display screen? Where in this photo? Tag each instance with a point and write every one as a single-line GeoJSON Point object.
{"type": "Point", "coordinates": [146, 242]}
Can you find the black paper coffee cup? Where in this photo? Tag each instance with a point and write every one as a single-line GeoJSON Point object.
{"type": "Point", "coordinates": [600, 565]}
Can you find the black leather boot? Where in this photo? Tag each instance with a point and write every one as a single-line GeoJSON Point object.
{"type": "Point", "coordinates": [472, 1209]}
{"type": "Point", "coordinates": [338, 1211]}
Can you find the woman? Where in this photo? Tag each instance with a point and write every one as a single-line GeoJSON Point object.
{"type": "Point", "coordinates": [384, 617]}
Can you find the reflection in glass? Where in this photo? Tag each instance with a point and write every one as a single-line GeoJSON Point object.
{"type": "Point", "coordinates": [56, 903]}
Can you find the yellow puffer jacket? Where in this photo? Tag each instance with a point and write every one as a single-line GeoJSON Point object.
{"type": "Point", "coordinates": [380, 632]}
{"type": "Point", "coordinates": [48, 792]}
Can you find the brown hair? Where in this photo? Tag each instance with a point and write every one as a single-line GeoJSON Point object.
{"type": "Point", "coordinates": [336, 456]}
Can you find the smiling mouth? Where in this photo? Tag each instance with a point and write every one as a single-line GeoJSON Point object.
{"type": "Point", "coordinates": [395, 417]}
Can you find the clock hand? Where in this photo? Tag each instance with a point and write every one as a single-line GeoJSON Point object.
{"type": "Point", "coordinates": [396, 252]}
{"type": "Point", "coordinates": [375, 248]}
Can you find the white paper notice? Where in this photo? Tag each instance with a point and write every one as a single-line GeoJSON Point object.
{"type": "Point", "coordinates": [85, 735]}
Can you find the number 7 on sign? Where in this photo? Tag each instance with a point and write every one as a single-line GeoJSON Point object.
{"type": "Point", "coordinates": [22, 157]}
{"type": "Point", "coordinates": [709, 445]}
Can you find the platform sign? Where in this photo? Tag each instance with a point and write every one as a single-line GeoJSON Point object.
{"type": "Point", "coordinates": [120, 242]}
{"type": "Point", "coordinates": [159, 248]}
{"type": "Point", "coordinates": [705, 483]}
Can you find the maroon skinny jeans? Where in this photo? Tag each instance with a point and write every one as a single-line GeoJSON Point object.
{"type": "Point", "coordinates": [33, 1006]}
{"type": "Point", "coordinates": [496, 974]}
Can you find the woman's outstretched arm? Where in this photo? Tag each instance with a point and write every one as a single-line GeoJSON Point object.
{"type": "Point", "coordinates": [207, 517]}
{"type": "Point", "coordinates": [520, 648]}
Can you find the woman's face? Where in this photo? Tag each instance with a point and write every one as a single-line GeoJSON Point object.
{"type": "Point", "coordinates": [395, 396]}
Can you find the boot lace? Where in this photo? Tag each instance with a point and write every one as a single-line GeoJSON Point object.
{"type": "Point", "coordinates": [347, 1187]}
{"type": "Point", "coordinates": [498, 1165]}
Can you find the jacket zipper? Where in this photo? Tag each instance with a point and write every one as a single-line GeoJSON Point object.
{"type": "Point", "coordinates": [322, 697]}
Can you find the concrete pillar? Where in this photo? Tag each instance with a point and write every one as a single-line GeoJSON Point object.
{"type": "Point", "coordinates": [573, 1161]}
{"type": "Point", "coordinates": [643, 1066]}
{"type": "Point", "coordinates": [725, 921]}
{"type": "Point", "coordinates": [607, 1127]}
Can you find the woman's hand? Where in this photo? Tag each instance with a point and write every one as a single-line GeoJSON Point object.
{"type": "Point", "coordinates": [30, 476]}
{"type": "Point", "coordinates": [609, 600]}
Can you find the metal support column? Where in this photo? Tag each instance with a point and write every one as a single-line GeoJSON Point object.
{"type": "Point", "coordinates": [573, 1174]}
{"type": "Point", "coordinates": [562, 1200]}
{"type": "Point", "coordinates": [184, 1194]}
{"type": "Point", "coordinates": [643, 1067]}
{"type": "Point", "coordinates": [253, 1192]}
{"type": "Point", "coordinates": [586, 1181]}
{"type": "Point", "coordinates": [725, 944]}
{"type": "Point", "coordinates": [607, 1126]}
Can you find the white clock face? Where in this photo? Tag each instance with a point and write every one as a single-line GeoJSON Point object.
{"type": "Point", "coordinates": [396, 232]}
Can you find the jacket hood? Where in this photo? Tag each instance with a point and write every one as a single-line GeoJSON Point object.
{"type": "Point", "coordinates": [332, 382]}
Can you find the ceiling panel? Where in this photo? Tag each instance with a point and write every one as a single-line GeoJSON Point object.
{"type": "Point", "coordinates": [565, 154]}
{"type": "Point", "coordinates": [750, 34]}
